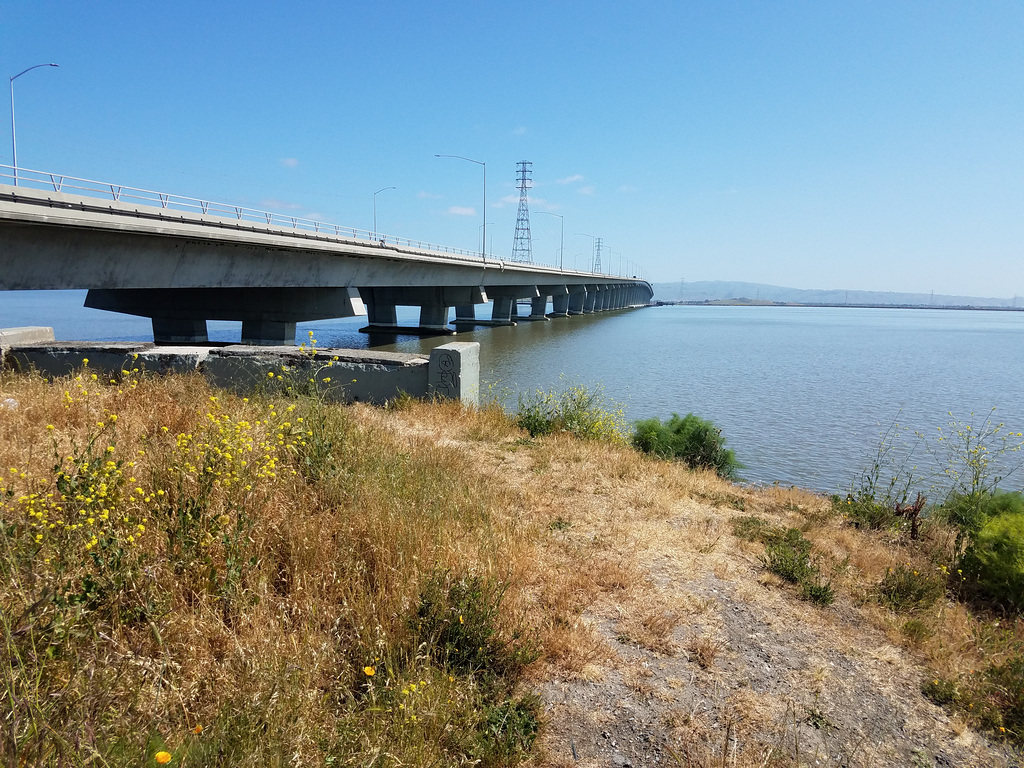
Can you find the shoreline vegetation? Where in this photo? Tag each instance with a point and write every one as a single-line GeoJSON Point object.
{"type": "Point", "coordinates": [194, 578]}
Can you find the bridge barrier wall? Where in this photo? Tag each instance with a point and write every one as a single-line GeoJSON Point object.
{"type": "Point", "coordinates": [452, 371]}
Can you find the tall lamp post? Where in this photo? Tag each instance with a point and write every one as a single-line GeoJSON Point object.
{"type": "Point", "coordinates": [592, 237]}
{"type": "Point", "coordinates": [375, 209]}
{"type": "Point", "coordinates": [491, 249]}
{"type": "Point", "coordinates": [14, 140]}
{"type": "Point", "coordinates": [483, 251]}
{"type": "Point", "coordinates": [561, 245]}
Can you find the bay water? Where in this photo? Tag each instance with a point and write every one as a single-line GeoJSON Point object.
{"type": "Point", "coordinates": [801, 394]}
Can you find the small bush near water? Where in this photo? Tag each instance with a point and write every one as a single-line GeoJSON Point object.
{"type": "Point", "coordinates": [993, 560]}
{"type": "Point", "coordinates": [692, 440]}
{"type": "Point", "coordinates": [581, 411]}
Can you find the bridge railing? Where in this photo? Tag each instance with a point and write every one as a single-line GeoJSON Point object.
{"type": "Point", "coordinates": [120, 193]}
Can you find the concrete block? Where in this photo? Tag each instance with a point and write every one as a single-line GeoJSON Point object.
{"type": "Point", "coordinates": [363, 376]}
{"type": "Point", "coordinates": [31, 334]}
{"type": "Point", "coordinates": [169, 359]}
{"type": "Point", "coordinates": [455, 371]}
{"type": "Point", "coordinates": [66, 357]}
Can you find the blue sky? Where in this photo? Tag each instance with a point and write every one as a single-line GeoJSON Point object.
{"type": "Point", "coordinates": [824, 144]}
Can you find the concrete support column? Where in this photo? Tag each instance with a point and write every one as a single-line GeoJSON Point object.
{"type": "Point", "coordinates": [434, 317]}
{"type": "Point", "coordinates": [267, 333]}
{"type": "Point", "coordinates": [560, 306]}
{"type": "Point", "coordinates": [465, 313]}
{"type": "Point", "coordinates": [501, 312]}
{"type": "Point", "coordinates": [381, 314]}
{"type": "Point", "coordinates": [174, 330]}
{"type": "Point", "coordinates": [537, 306]}
{"type": "Point", "coordinates": [591, 300]}
{"type": "Point", "coordinates": [577, 299]}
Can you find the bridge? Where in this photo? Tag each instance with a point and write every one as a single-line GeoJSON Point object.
{"type": "Point", "coordinates": [183, 261]}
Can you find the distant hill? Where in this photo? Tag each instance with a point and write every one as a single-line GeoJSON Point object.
{"type": "Point", "coordinates": [712, 290]}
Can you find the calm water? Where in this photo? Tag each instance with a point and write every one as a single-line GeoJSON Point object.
{"type": "Point", "coordinates": [801, 394]}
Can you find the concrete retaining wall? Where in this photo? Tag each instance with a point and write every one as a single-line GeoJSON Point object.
{"type": "Point", "coordinates": [452, 370]}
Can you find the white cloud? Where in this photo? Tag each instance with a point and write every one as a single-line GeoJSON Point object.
{"type": "Point", "coordinates": [571, 179]}
{"type": "Point", "coordinates": [628, 188]}
{"type": "Point", "coordinates": [520, 131]}
{"type": "Point", "coordinates": [289, 162]}
{"type": "Point", "coordinates": [422, 195]}
{"type": "Point", "coordinates": [457, 210]}
{"type": "Point", "coordinates": [588, 190]}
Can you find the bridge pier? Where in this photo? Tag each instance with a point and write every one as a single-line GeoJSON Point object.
{"type": "Point", "coordinates": [268, 315]}
{"type": "Point", "coordinates": [590, 302]}
{"type": "Point", "coordinates": [434, 304]}
{"type": "Point", "coordinates": [267, 333]}
{"type": "Point", "coordinates": [560, 305]}
{"type": "Point", "coordinates": [577, 298]}
{"type": "Point", "coordinates": [172, 330]}
{"type": "Point", "coordinates": [538, 305]}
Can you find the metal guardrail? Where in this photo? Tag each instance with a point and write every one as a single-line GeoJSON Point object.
{"type": "Point", "coordinates": [119, 193]}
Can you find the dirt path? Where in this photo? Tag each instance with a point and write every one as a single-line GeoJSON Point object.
{"type": "Point", "coordinates": [668, 643]}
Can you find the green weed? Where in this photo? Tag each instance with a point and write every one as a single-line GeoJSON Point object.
{"type": "Point", "coordinates": [905, 589]}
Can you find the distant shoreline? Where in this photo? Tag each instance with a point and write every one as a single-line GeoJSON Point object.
{"type": "Point", "coordinates": [765, 303]}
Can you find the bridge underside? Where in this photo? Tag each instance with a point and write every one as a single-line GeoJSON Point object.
{"type": "Point", "coordinates": [184, 269]}
{"type": "Point", "coordinates": [269, 315]}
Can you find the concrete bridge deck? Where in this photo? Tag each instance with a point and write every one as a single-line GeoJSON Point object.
{"type": "Point", "coordinates": [183, 267]}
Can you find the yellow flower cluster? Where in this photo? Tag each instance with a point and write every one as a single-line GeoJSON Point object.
{"type": "Point", "coordinates": [88, 500]}
{"type": "Point", "coordinates": [233, 452]}
{"type": "Point", "coordinates": [410, 702]}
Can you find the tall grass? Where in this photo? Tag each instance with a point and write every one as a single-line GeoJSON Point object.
{"type": "Point", "coordinates": [234, 580]}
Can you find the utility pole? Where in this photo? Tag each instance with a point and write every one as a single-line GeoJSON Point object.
{"type": "Point", "coordinates": [522, 245]}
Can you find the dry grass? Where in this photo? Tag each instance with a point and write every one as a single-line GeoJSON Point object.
{"type": "Point", "coordinates": [615, 561]}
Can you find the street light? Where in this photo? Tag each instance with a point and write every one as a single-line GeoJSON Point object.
{"type": "Point", "coordinates": [592, 237]}
{"type": "Point", "coordinates": [375, 209]}
{"type": "Point", "coordinates": [561, 246]}
{"type": "Point", "coordinates": [491, 249]}
{"type": "Point", "coordinates": [478, 162]}
{"type": "Point", "coordinates": [14, 140]}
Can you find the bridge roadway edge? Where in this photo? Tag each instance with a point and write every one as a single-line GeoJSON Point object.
{"type": "Point", "coordinates": [181, 269]}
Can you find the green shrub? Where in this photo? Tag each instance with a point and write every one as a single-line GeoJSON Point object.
{"type": "Point", "coordinates": [818, 592]}
{"type": "Point", "coordinates": [864, 511]}
{"type": "Point", "coordinates": [904, 589]}
{"type": "Point", "coordinates": [993, 699]}
{"type": "Point", "coordinates": [753, 528]}
{"type": "Point", "coordinates": [789, 556]}
{"type": "Point", "coordinates": [507, 731]}
{"type": "Point", "coordinates": [995, 559]}
{"type": "Point", "coordinates": [692, 440]}
{"type": "Point", "coordinates": [579, 410]}
{"type": "Point", "coordinates": [457, 622]}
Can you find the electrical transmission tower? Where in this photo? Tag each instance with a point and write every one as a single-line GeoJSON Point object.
{"type": "Point", "coordinates": [597, 255]}
{"type": "Point", "coordinates": [522, 247]}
